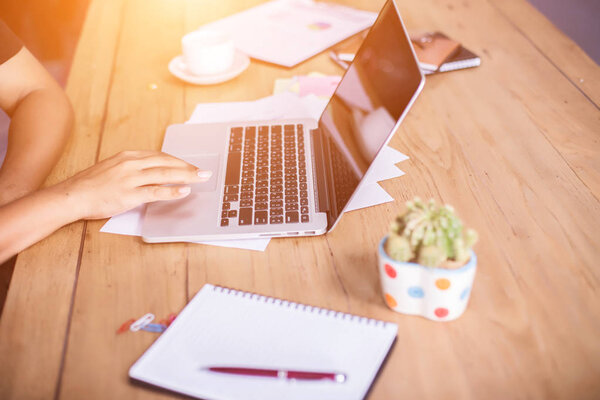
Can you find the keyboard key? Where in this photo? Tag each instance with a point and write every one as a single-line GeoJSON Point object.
{"type": "Point", "coordinates": [247, 195]}
{"type": "Point", "coordinates": [224, 222]}
{"type": "Point", "coordinates": [236, 147]}
{"type": "Point", "coordinates": [304, 218]}
{"type": "Point", "coordinates": [276, 174]}
{"type": "Point", "coordinates": [246, 203]}
{"type": "Point", "coordinates": [248, 181]}
{"type": "Point", "coordinates": [276, 203]}
{"type": "Point", "coordinates": [276, 211]}
{"type": "Point", "coordinates": [248, 173]}
{"type": "Point", "coordinates": [224, 214]}
{"type": "Point", "coordinates": [247, 188]}
{"type": "Point", "coordinates": [226, 206]}
{"type": "Point", "coordinates": [291, 217]}
{"type": "Point", "coordinates": [262, 170]}
{"type": "Point", "coordinates": [262, 177]}
{"type": "Point", "coordinates": [291, 207]}
{"type": "Point", "coordinates": [237, 131]}
{"type": "Point", "coordinates": [288, 128]}
{"type": "Point", "coordinates": [276, 196]}
{"type": "Point", "coordinates": [304, 194]}
{"type": "Point", "coordinates": [291, 192]}
{"type": "Point", "coordinates": [304, 210]}
{"type": "Point", "coordinates": [245, 216]}
{"type": "Point", "coordinates": [277, 181]}
{"type": "Point", "coordinates": [276, 129]}
{"type": "Point", "coordinates": [277, 220]}
{"type": "Point", "coordinates": [261, 217]}
{"type": "Point", "coordinates": [302, 178]}
{"type": "Point", "coordinates": [262, 184]}
{"type": "Point", "coordinates": [261, 206]}
{"type": "Point", "coordinates": [263, 129]}
{"type": "Point", "coordinates": [250, 130]}
{"type": "Point", "coordinates": [230, 197]}
{"type": "Point", "coordinates": [232, 213]}
{"type": "Point", "coordinates": [303, 186]}
{"type": "Point", "coordinates": [303, 202]}
{"type": "Point", "coordinates": [263, 198]}
{"type": "Point", "coordinates": [232, 189]}
{"type": "Point", "coordinates": [277, 188]}
{"type": "Point", "coordinates": [291, 199]}
{"type": "Point", "coordinates": [232, 176]}
{"type": "Point", "coordinates": [262, 190]}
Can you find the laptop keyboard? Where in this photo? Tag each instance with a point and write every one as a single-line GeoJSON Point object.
{"type": "Point", "coordinates": [266, 180]}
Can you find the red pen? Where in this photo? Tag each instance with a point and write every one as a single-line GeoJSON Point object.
{"type": "Point", "coordinates": [281, 374]}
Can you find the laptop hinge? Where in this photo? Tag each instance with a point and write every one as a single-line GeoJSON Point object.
{"type": "Point", "coordinates": [321, 188]}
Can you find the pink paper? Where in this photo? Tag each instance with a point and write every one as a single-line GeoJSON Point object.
{"type": "Point", "coordinates": [321, 86]}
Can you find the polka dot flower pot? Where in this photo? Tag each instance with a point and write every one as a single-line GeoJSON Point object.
{"type": "Point", "coordinates": [436, 293]}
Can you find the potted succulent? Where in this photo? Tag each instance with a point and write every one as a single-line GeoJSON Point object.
{"type": "Point", "coordinates": [426, 263]}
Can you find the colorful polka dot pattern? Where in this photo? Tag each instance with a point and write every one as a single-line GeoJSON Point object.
{"type": "Point", "coordinates": [465, 293]}
{"type": "Point", "coordinates": [418, 292]}
{"type": "Point", "coordinates": [390, 300]}
{"type": "Point", "coordinates": [442, 283]}
{"type": "Point", "coordinates": [390, 271]}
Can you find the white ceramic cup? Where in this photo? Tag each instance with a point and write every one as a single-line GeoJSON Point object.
{"type": "Point", "coordinates": [207, 52]}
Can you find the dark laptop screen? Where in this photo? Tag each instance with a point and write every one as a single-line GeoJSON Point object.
{"type": "Point", "coordinates": [369, 101]}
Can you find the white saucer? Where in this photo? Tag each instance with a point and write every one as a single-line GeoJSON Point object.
{"type": "Point", "coordinates": [178, 68]}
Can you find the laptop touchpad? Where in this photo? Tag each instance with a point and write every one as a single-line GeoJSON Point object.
{"type": "Point", "coordinates": [207, 162]}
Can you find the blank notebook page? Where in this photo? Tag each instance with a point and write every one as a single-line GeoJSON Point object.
{"type": "Point", "coordinates": [224, 327]}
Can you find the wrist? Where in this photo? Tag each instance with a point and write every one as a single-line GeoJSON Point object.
{"type": "Point", "coordinates": [68, 207]}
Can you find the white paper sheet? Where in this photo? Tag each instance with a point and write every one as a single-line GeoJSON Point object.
{"type": "Point", "coordinates": [287, 32]}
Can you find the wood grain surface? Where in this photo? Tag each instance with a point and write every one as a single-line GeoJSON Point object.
{"type": "Point", "coordinates": [514, 145]}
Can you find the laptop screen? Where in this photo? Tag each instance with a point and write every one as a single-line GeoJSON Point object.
{"type": "Point", "coordinates": [368, 103]}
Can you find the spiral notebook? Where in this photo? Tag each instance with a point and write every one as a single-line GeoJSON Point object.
{"type": "Point", "coordinates": [228, 327]}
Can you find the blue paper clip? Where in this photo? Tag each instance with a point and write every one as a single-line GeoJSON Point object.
{"type": "Point", "coordinates": [154, 328]}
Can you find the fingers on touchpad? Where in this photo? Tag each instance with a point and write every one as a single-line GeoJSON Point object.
{"type": "Point", "coordinates": [205, 162]}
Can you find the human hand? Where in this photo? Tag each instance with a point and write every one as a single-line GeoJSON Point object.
{"type": "Point", "coordinates": [127, 180]}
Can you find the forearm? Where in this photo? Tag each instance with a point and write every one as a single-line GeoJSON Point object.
{"type": "Point", "coordinates": [39, 128]}
{"type": "Point", "coordinates": [29, 219]}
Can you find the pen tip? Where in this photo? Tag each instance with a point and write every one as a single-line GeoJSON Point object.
{"type": "Point", "coordinates": [340, 378]}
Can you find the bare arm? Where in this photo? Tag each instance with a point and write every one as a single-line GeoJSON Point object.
{"type": "Point", "coordinates": [41, 121]}
{"type": "Point", "coordinates": [110, 187]}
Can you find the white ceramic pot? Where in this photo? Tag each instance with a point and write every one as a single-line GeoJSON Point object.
{"type": "Point", "coordinates": [436, 293]}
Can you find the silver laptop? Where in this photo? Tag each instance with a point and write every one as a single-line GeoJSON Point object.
{"type": "Point", "coordinates": [293, 177]}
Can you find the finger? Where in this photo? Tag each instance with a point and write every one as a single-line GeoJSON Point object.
{"type": "Point", "coordinates": [161, 160]}
{"type": "Point", "coordinates": [163, 176]}
{"type": "Point", "coordinates": [129, 161]}
{"type": "Point", "coordinates": [160, 193]}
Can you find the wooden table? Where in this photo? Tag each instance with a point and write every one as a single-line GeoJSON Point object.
{"type": "Point", "coordinates": [514, 145]}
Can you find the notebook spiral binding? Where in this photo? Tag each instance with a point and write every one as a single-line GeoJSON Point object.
{"type": "Point", "coordinates": [301, 307]}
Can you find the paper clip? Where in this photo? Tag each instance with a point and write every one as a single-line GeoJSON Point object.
{"type": "Point", "coordinates": [140, 323]}
{"type": "Point", "coordinates": [125, 325]}
{"type": "Point", "coordinates": [154, 328]}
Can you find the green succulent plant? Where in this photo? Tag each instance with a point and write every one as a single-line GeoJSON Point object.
{"type": "Point", "coordinates": [430, 235]}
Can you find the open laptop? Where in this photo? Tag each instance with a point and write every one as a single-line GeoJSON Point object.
{"type": "Point", "coordinates": [293, 177]}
